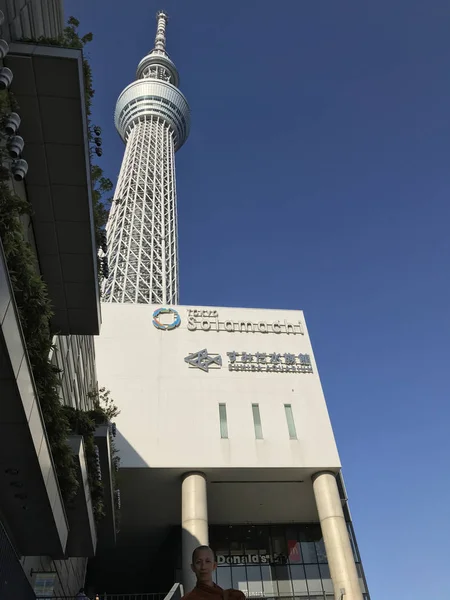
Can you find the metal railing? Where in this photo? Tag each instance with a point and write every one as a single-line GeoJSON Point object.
{"type": "Point", "coordinates": [133, 596]}
{"type": "Point", "coordinates": [156, 596]}
{"type": "Point", "coordinates": [175, 593]}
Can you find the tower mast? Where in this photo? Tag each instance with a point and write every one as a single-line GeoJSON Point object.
{"type": "Point", "coordinates": [152, 117]}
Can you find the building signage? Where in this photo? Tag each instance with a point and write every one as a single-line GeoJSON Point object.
{"type": "Point", "coordinates": [243, 559]}
{"type": "Point", "coordinates": [258, 362]}
{"type": "Point", "coordinates": [209, 320]}
{"type": "Point", "coordinates": [266, 362]}
{"type": "Point", "coordinates": [44, 584]}
{"type": "Point", "coordinates": [252, 559]}
{"type": "Point", "coordinates": [295, 555]}
{"type": "Point", "coordinates": [204, 361]}
{"type": "Point", "coordinates": [161, 323]}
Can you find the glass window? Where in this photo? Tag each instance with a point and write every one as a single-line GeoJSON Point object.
{"type": "Point", "coordinates": [270, 587]}
{"type": "Point", "coordinates": [326, 579]}
{"type": "Point", "coordinates": [321, 553]}
{"type": "Point", "coordinates": [257, 422]}
{"type": "Point", "coordinates": [220, 542]}
{"type": "Point", "coordinates": [252, 542]}
{"type": "Point", "coordinates": [361, 578]}
{"type": "Point", "coordinates": [299, 580]}
{"type": "Point", "coordinates": [223, 421]}
{"type": "Point", "coordinates": [255, 586]}
{"type": "Point", "coordinates": [309, 552]}
{"type": "Point", "coordinates": [283, 578]}
{"type": "Point", "coordinates": [239, 578]}
{"type": "Point", "coordinates": [310, 532]}
{"type": "Point", "coordinates": [290, 422]}
{"type": "Point", "coordinates": [224, 577]}
{"type": "Point", "coordinates": [237, 535]}
{"type": "Point", "coordinates": [352, 542]}
{"type": "Point", "coordinates": [279, 546]}
{"type": "Point", "coordinates": [313, 577]}
{"type": "Point", "coordinates": [293, 546]}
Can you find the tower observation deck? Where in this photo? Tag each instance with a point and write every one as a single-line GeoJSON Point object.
{"type": "Point", "coordinates": [152, 117]}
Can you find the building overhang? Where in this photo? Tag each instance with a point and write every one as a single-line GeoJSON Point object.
{"type": "Point", "coordinates": [151, 498]}
{"type": "Point", "coordinates": [30, 498]}
{"type": "Point", "coordinates": [49, 88]}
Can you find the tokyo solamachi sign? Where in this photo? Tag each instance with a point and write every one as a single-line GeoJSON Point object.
{"type": "Point", "coordinates": [166, 318]}
{"type": "Point", "coordinates": [209, 320]}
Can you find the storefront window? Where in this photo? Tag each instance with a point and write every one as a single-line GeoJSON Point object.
{"type": "Point", "coordinates": [299, 580]}
{"type": "Point", "coordinates": [293, 547]}
{"type": "Point", "coordinates": [313, 578]}
{"type": "Point", "coordinates": [223, 577]}
{"type": "Point", "coordinates": [220, 540]}
{"type": "Point", "coordinates": [309, 552]}
{"type": "Point", "coordinates": [270, 587]}
{"type": "Point", "coordinates": [273, 562]}
{"type": "Point", "coordinates": [279, 545]}
{"type": "Point", "coordinates": [326, 579]}
{"type": "Point", "coordinates": [320, 550]}
{"type": "Point", "coordinates": [283, 578]}
{"type": "Point", "coordinates": [239, 578]}
{"type": "Point", "coordinates": [255, 584]}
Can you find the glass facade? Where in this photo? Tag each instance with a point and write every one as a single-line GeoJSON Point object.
{"type": "Point", "coordinates": [276, 561]}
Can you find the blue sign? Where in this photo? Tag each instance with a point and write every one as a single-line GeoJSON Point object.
{"type": "Point", "coordinates": [166, 311]}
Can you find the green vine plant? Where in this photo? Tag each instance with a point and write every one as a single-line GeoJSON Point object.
{"type": "Point", "coordinates": [30, 291]}
{"type": "Point", "coordinates": [35, 312]}
{"type": "Point", "coordinates": [104, 411]}
{"type": "Point", "coordinates": [84, 423]}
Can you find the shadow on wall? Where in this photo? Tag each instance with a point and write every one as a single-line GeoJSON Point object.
{"type": "Point", "coordinates": [129, 458]}
{"type": "Point", "coordinates": [188, 543]}
{"type": "Point", "coordinates": [143, 561]}
{"type": "Point", "coordinates": [140, 567]}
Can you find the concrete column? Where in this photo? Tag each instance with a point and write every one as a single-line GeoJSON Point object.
{"type": "Point", "coordinates": [335, 535]}
{"type": "Point", "coordinates": [194, 522]}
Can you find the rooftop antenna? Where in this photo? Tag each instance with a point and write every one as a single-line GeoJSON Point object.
{"type": "Point", "coordinates": [160, 39]}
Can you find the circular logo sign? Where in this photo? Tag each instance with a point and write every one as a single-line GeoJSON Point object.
{"type": "Point", "coordinates": [176, 320]}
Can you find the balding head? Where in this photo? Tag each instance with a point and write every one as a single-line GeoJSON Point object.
{"type": "Point", "coordinates": [203, 549]}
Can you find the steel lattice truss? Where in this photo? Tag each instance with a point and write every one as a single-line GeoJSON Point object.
{"type": "Point", "coordinates": [152, 116]}
{"type": "Point", "coordinates": [142, 227]}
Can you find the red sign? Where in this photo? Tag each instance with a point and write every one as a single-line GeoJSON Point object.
{"type": "Point", "coordinates": [294, 551]}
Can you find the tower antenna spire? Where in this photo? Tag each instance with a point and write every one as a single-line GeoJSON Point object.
{"type": "Point", "coordinates": [160, 39]}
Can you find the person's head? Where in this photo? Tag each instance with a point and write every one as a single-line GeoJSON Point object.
{"type": "Point", "coordinates": [81, 591]}
{"type": "Point", "coordinates": [203, 564]}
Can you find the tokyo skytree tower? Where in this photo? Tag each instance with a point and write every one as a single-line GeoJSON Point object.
{"type": "Point", "coordinates": [152, 117]}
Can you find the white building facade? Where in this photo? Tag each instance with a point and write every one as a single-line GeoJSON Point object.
{"type": "Point", "coordinates": [224, 429]}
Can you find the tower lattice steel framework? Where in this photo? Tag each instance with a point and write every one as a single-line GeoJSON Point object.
{"type": "Point", "coordinates": [152, 117]}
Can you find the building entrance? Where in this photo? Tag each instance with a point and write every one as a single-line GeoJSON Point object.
{"type": "Point", "coordinates": [275, 561]}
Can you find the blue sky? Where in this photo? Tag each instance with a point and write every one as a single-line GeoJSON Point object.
{"type": "Point", "coordinates": [317, 176]}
